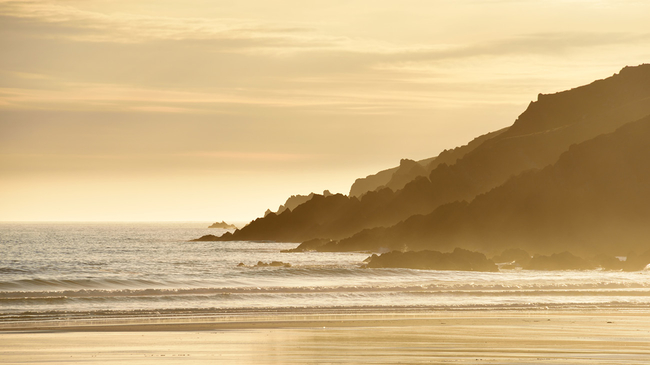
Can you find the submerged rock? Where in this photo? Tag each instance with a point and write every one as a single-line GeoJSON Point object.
{"type": "Point", "coordinates": [266, 264]}
{"type": "Point", "coordinates": [273, 264]}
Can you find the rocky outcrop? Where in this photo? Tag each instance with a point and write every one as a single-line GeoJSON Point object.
{"type": "Point", "coordinates": [371, 182]}
{"type": "Point", "coordinates": [272, 264]}
{"type": "Point", "coordinates": [514, 257]}
{"type": "Point", "coordinates": [559, 261]}
{"type": "Point", "coordinates": [429, 212]}
{"type": "Point", "coordinates": [630, 262]}
{"type": "Point", "coordinates": [267, 264]}
{"type": "Point", "coordinates": [222, 225]}
{"type": "Point", "coordinates": [207, 237]}
{"type": "Point", "coordinates": [595, 194]}
{"type": "Point", "coordinates": [294, 201]}
{"type": "Point", "coordinates": [407, 171]}
{"type": "Point", "coordinates": [459, 259]}
{"type": "Point", "coordinates": [311, 245]}
{"type": "Point", "coordinates": [397, 177]}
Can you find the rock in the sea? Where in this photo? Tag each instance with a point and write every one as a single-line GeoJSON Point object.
{"type": "Point", "coordinates": [514, 257]}
{"type": "Point", "coordinates": [559, 261]}
{"type": "Point", "coordinates": [636, 262]}
{"type": "Point", "coordinates": [223, 225]}
{"type": "Point", "coordinates": [631, 262]}
{"type": "Point", "coordinates": [459, 259]}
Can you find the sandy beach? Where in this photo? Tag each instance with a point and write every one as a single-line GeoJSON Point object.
{"type": "Point", "coordinates": [458, 337]}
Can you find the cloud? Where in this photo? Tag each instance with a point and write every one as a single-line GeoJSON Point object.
{"type": "Point", "coordinates": [49, 20]}
{"type": "Point", "coordinates": [552, 43]}
{"type": "Point", "coordinates": [90, 60]}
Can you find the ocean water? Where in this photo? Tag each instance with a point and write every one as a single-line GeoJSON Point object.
{"type": "Point", "coordinates": [103, 270]}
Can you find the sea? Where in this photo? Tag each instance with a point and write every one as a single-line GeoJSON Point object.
{"type": "Point", "coordinates": [64, 271]}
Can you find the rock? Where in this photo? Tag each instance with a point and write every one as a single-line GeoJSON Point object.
{"type": "Point", "coordinates": [207, 237]}
{"type": "Point", "coordinates": [514, 257]}
{"type": "Point", "coordinates": [609, 262]}
{"type": "Point", "coordinates": [223, 225]}
{"type": "Point", "coordinates": [570, 174]}
{"type": "Point", "coordinates": [272, 264]}
{"type": "Point", "coordinates": [310, 245]}
{"type": "Point", "coordinates": [636, 262]}
{"type": "Point", "coordinates": [559, 261]}
{"type": "Point", "coordinates": [459, 259]}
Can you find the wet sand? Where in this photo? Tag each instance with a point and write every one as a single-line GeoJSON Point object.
{"type": "Point", "coordinates": [463, 337]}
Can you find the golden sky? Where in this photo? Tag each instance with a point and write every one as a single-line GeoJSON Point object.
{"type": "Point", "coordinates": [209, 110]}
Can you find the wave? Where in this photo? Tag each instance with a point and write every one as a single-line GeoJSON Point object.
{"type": "Point", "coordinates": [63, 284]}
{"type": "Point", "coordinates": [610, 289]}
{"type": "Point", "coordinates": [332, 276]}
{"type": "Point", "coordinates": [12, 270]}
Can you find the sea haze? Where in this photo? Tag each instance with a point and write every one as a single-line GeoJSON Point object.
{"type": "Point", "coordinates": [97, 270]}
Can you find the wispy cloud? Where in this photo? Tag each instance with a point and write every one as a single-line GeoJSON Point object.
{"type": "Point", "coordinates": [551, 43]}
{"type": "Point", "coordinates": [49, 19]}
{"type": "Point", "coordinates": [58, 56]}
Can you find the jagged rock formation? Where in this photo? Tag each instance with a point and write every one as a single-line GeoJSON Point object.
{"type": "Point", "coordinates": [207, 237]}
{"type": "Point", "coordinates": [434, 211]}
{"type": "Point", "coordinates": [408, 170]}
{"type": "Point", "coordinates": [294, 201]}
{"type": "Point", "coordinates": [513, 256]}
{"type": "Point", "coordinates": [594, 199]}
{"type": "Point", "coordinates": [559, 261]}
{"type": "Point", "coordinates": [306, 220]}
{"type": "Point", "coordinates": [371, 182]}
{"type": "Point", "coordinates": [222, 225]}
{"type": "Point", "coordinates": [459, 259]}
{"type": "Point", "coordinates": [272, 264]}
{"type": "Point", "coordinates": [394, 178]}
{"type": "Point", "coordinates": [464, 260]}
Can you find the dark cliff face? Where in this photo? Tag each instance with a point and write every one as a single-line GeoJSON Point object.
{"type": "Point", "coordinates": [545, 130]}
{"type": "Point", "coordinates": [537, 139]}
{"type": "Point", "coordinates": [394, 178]}
{"type": "Point", "coordinates": [398, 177]}
{"type": "Point", "coordinates": [623, 95]}
{"type": "Point", "coordinates": [294, 201]}
{"type": "Point", "coordinates": [594, 199]}
{"type": "Point", "coordinates": [373, 182]}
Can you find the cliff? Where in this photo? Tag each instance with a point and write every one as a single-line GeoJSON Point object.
{"type": "Point", "coordinates": [408, 170]}
{"type": "Point", "coordinates": [594, 199]}
{"type": "Point", "coordinates": [386, 178]}
{"type": "Point", "coordinates": [547, 128]}
{"type": "Point", "coordinates": [294, 201]}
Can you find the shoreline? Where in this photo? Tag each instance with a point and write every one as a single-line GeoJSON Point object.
{"type": "Point", "coordinates": [239, 318]}
{"type": "Point", "coordinates": [492, 337]}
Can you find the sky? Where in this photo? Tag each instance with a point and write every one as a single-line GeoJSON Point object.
{"type": "Point", "coordinates": [197, 110]}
